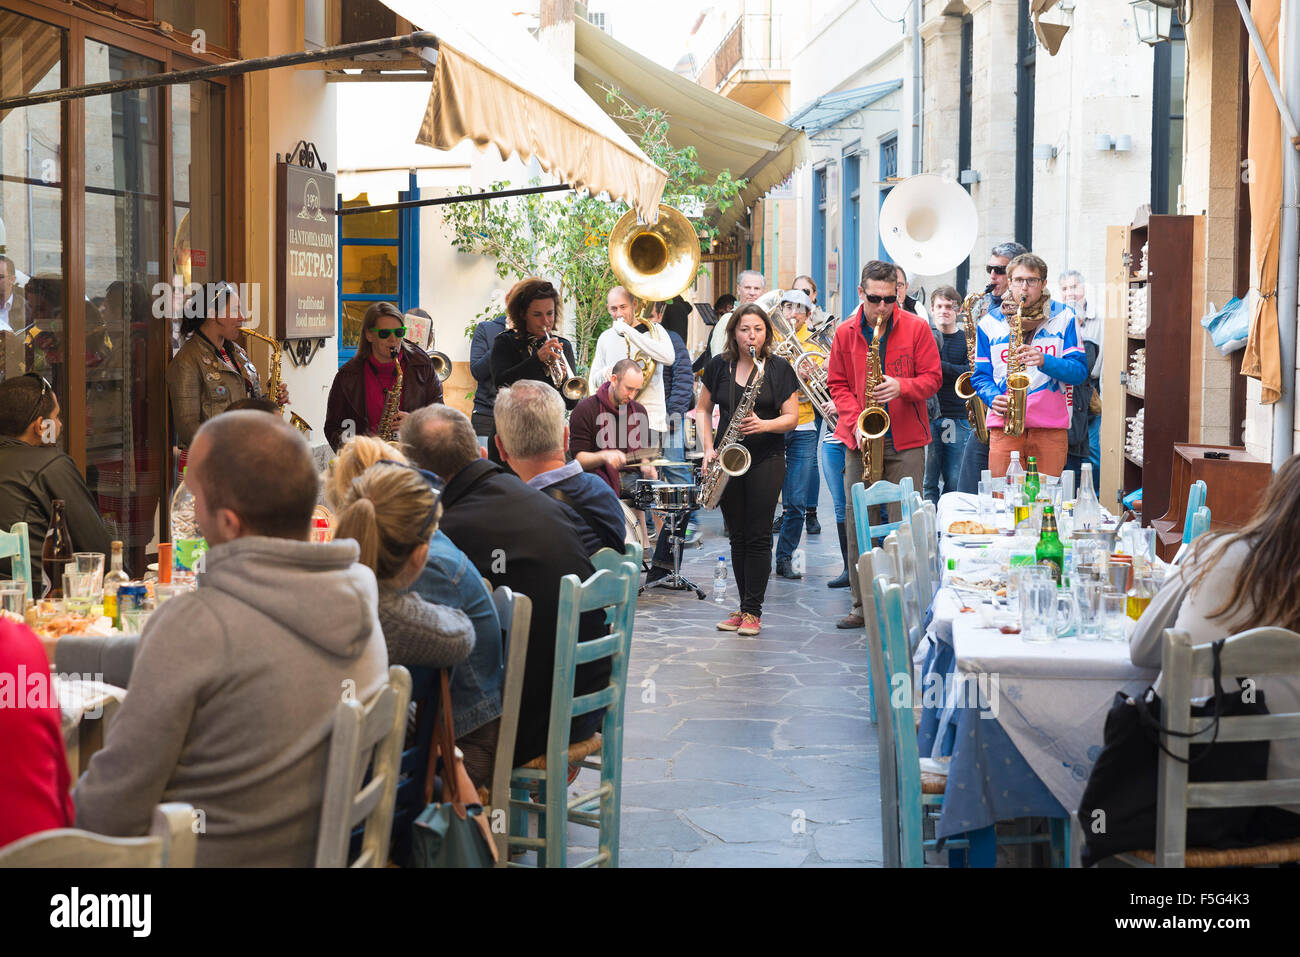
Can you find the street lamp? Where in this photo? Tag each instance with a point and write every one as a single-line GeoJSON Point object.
{"type": "Point", "coordinates": [1153, 19]}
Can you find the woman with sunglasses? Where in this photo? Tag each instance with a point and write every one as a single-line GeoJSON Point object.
{"type": "Point", "coordinates": [210, 371]}
{"type": "Point", "coordinates": [529, 344]}
{"type": "Point", "coordinates": [361, 387]}
{"type": "Point", "coordinates": [749, 500]}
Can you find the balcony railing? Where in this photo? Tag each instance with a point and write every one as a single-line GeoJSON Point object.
{"type": "Point", "coordinates": [754, 42]}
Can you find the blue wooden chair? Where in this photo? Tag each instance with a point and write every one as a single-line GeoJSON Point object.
{"type": "Point", "coordinates": [614, 591]}
{"type": "Point", "coordinates": [867, 500]}
{"type": "Point", "coordinates": [515, 612]}
{"type": "Point", "coordinates": [1196, 525]}
{"type": "Point", "coordinates": [13, 544]}
{"type": "Point", "coordinates": [919, 792]}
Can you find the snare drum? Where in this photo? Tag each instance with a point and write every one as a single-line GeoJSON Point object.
{"type": "Point", "coordinates": [674, 497]}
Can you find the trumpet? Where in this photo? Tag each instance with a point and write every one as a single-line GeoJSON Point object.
{"type": "Point", "coordinates": [964, 386]}
{"type": "Point", "coordinates": [572, 387]}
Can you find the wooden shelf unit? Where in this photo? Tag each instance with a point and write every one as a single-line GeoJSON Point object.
{"type": "Point", "coordinates": [1170, 241]}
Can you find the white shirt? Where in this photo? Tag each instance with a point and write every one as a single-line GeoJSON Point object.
{"type": "Point", "coordinates": [4, 314]}
{"type": "Point", "coordinates": [612, 346]}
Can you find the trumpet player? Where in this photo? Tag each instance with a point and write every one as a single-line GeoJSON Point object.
{"type": "Point", "coordinates": [529, 349]}
{"type": "Point", "coordinates": [1052, 354]}
{"type": "Point", "coordinates": [909, 375]}
{"type": "Point", "coordinates": [800, 446]}
{"type": "Point", "coordinates": [364, 386]}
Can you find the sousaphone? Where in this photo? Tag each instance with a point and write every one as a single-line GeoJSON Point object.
{"type": "Point", "coordinates": [928, 224]}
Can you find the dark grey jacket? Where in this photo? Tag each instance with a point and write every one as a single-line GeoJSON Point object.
{"type": "Point", "coordinates": [31, 478]}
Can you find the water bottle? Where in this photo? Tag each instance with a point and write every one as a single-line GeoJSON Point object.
{"type": "Point", "coordinates": [720, 581]}
{"type": "Point", "coordinates": [798, 561]}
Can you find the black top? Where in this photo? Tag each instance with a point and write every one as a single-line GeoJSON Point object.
{"type": "Point", "coordinates": [513, 358]}
{"type": "Point", "coordinates": [954, 360]}
{"type": "Point", "coordinates": [480, 362]}
{"type": "Point", "coordinates": [779, 383]}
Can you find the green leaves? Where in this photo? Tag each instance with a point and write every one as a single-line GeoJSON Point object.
{"type": "Point", "coordinates": [567, 239]}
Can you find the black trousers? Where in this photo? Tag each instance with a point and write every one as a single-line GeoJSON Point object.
{"type": "Point", "coordinates": [749, 506]}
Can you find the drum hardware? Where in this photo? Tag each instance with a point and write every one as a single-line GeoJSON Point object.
{"type": "Point", "coordinates": [673, 503]}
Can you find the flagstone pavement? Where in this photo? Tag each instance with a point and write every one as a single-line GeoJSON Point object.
{"type": "Point", "coordinates": [749, 752]}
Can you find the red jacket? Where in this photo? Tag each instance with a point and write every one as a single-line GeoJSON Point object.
{"type": "Point", "coordinates": [908, 354]}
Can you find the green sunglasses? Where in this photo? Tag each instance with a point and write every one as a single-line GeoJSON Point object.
{"type": "Point", "coordinates": [400, 332]}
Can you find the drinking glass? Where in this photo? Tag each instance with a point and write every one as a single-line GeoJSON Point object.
{"type": "Point", "coordinates": [162, 591]}
{"type": "Point", "coordinates": [1087, 596]}
{"type": "Point", "coordinates": [987, 508]}
{"type": "Point", "coordinates": [1067, 613]}
{"type": "Point", "coordinates": [1114, 620]}
{"type": "Point", "coordinates": [1015, 566]}
{"type": "Point", "coordinates": [77, 594]}
{"type": "Point", "coordinates": [1037, 609]}
{"type": "Point", "coordinates": [91, 563]}
{"type": "Point", "coordinates": [13, 597]}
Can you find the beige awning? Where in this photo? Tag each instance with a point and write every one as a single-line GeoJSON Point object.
{"type": "Point", "coordinates": [494, 85]}
{"type": "Point", "coordinates": [725, 134]}
{"type": "Point", "coordinates": [1049, 34]}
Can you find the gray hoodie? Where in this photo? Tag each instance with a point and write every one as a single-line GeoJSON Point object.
{"type": "Point", "coordinates": [232, 701]}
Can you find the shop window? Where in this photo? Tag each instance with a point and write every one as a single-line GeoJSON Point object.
{"type": "Point", "coordinates": [379, 257]}
{"type": "Point", "coordinates": [1167, 99]}
{"type": "Point", "coordinates": [888, 173]}
{"type": "Point", "coordinates": [819, 229]}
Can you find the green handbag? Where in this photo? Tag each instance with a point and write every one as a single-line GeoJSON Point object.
{"type": "Point", "coordinates": [451, 832]}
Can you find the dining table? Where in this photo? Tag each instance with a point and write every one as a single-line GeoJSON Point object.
{"type": "Point", "coordinates": [1018, 724]}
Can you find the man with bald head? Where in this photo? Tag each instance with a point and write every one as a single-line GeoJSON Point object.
{"type": "Point", "coordinates": [234, 686]}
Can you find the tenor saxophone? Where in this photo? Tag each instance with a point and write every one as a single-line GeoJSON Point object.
{"type": "Point", "coordinates": [733, 459]}
{"type": "Point", "coordinates": [873, 422]}
{"type": "Point", "coordinates": [273, 380]}
{"type": "Point", "coordinates": [1017, 377]}
{"type": "Point", "coordinates": [964, 386]}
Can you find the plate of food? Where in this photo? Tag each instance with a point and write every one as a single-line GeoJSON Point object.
{"type": "Point", "coordinates": [971, 531]}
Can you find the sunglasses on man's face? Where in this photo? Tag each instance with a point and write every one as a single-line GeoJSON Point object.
{"type": "Point", "coordinates": [996, 270]}
{"type": "Point", "coordinates": [400, 331]}
{"type": "Point", "coordinates": [876, 300]}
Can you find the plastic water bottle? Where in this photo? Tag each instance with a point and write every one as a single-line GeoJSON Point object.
{"type": "Point", "coordinates": [798, 561]}
{"type": "Point", "coordinates": [720, 581]}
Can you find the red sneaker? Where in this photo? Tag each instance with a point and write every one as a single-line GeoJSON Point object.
{"type": "Point", "coordinates": [732, 623]}
{"type": "Point", "coordinates": [749, 625]}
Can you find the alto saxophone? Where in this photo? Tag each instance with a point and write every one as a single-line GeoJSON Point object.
{"type": "Point", "coordinates": [387, 430]}
{"type": "Point", "coordinates": [964, 386]}
{"type": "Point", "coordinates": [733, 459]}
{"type": "Point", "coordinates": [273, 380]}
{"type": "Point", "coordinates": [1017, 377]}
{"type": "Point", "coordinates": [873, 422]}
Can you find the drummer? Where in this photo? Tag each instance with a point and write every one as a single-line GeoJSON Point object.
{"type": "Point", "coordinates": [605, 428]}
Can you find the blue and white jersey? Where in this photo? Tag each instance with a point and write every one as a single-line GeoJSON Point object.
{"type": "Point", "coordinates": [1048, 405]}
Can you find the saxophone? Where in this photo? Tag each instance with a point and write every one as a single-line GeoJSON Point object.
{"type": "Point", "coordinates": [387, 430]}
{"type": "Point", "coordinates": [733, 459]}
{"type": "Point", "coordinates": [1017, 377]}
{"type": "Point", "coordinates": [873, 422]}
{"type": "Point", "coordinates": [273, 380]}
{"type": "Point", "coordinates": [964, 387]}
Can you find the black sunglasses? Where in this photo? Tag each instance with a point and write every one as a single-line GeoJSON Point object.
{"type": "Point", "coordinates": [46, 389]}
{"type": "Point", "coordinates": [876, 300]}
{"type": "Point", "coordinates": [400, 331]}
{"type": "Point", "coordinates": [436, 484]}
{"type": "Point", "coordinates": [996, 270]}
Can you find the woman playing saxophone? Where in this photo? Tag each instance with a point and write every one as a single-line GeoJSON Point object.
{"type": "Point", "coordinates": [747, 374]}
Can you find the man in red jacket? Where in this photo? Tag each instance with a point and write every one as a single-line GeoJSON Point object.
{"type": "Point", "coordinates": [910, 375]}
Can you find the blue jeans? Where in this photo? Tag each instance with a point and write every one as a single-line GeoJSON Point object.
{"type": "Point", "coordinates": [833, 467]}
{"type": "Point", "coordinates": [974, 460]}
{"type": "Point", "coordinates": [943, 455]}
{"type": "Point", "coordinates": [674, 523]}
{"type": "Point", "coordinates": [800, 453]}
{"type": "Point", "coordinates": [814, 490]}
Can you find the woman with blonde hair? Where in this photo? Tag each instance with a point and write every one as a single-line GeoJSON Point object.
{"type": "Point", "coordinates": [445, 581]}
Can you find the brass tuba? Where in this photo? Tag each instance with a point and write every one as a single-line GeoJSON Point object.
{"type": "Point", "coordinates": [964, 386]}
{"type": "Point", "coordinates": [273, 380]}
{"type": "Point", "coordinates": [873, 422]}
{"type": "Point", "coordinates": [1017, 377]}
{"type": "Point", "coordinates": [654, 262]}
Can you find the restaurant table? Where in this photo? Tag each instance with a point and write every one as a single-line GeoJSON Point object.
{"type": "Point", "coordinates": [87, 708]}
{"type": "Point", "coordinates": [1022, 739]}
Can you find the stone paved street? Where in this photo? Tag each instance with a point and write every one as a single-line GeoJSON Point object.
{"type": "Point", "coordinates": [749, 752]}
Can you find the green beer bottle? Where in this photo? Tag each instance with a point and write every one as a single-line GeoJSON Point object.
{"type": "Point", "coordinates": [1050, 551]}
{"type": "Point", "coordinates": [1033, 481]}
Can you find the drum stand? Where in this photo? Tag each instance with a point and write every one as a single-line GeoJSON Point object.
{"type": "Point", "coordinates": [674, 580]}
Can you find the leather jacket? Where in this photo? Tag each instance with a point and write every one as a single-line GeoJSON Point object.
{"type": "Point", "coordinates": [202, 384]}
{"type": "Point", "coordinates": [420, 387]}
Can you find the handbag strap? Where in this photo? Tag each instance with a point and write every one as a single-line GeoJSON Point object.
{"type": "Point", "coordinates": [1154, 723]}
{"type": "Point", "coordinates": [444, 737]}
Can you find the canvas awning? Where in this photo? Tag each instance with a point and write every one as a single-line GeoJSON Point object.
{"type": "Point", "coordinates": [726, 135]}
{"type": "Point", "coordinates": [494, 85]}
